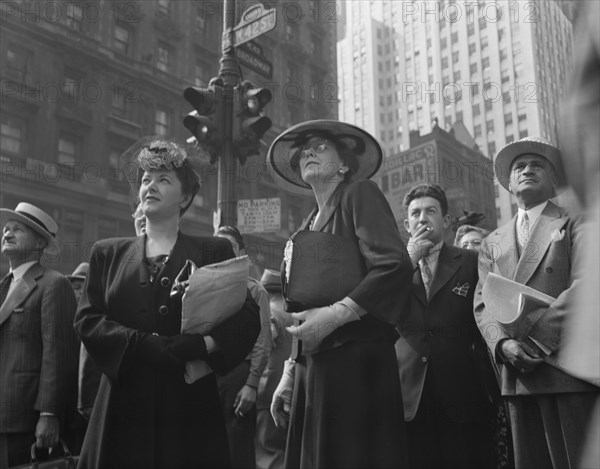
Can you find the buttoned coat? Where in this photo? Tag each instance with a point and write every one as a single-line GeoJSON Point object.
{"type": "Point", "coordinates": [38, 349]}
{"type": "Point", "coordinates": [437, 334]}
{"type": "Point", "coordinates": [145, 415]}
{"type": "Point", "coordinates": [546, 265]}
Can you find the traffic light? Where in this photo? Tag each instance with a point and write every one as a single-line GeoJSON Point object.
{"type": "Point", "coordinates": [251, 123]}
{"type": "Point", "coordinates": [200, 122]}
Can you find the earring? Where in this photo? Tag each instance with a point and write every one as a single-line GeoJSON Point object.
{"type": "Point", "coordinates": [341, 172]}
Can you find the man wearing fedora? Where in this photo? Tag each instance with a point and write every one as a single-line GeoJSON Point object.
{"type": "Point", "coordinates": [537, 248]}
{"type": "Point", "coordinates": [38, 345]}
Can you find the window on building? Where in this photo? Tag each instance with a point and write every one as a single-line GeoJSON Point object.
{"type": "Point", "coordinates": [491, 149]}
{"type": "Point", "coordinates": [443, 43]}
{"type": "Point", "coordinates": [522, 134]}
{"type": "Point", "coordinates": [472, 48]}
{"type": "Point", "coordinates": [445, 62]}
{"type": "Point", "coordinates": [459, 116]}
{"type": "Point", "coordinates": [485, 63]}
{"type": "Point", "coordinates": [428, 43]}
{"type": "Point", "coordinates": [68, 149]}
{"type": "Point", "coordinates": [506, 97]}
{"type": "Point", "coordinates": [162, 122]}
{"type": "Point", "coordinates": [476, 110]}
{"type": "Point", "coordinates": [487, 104]}
{"type": "Point", "coordinates": [164, 7]}
{"type": "Point", "coordinates": [477, 131]}
{"type": "Point", "coordinates": [17, 62]}
{"type": "Point", "coordinates": [118, 100]}
{"type": "Point", "coordinates": [473, 69]}
{"type": "Point", "coordinates": [201, 72]}
{"type": "Point", "coordinates": [510, 139]}
{"type": "Point", "coordinates": [12, 135]}
{"type": "Point", "coordinates": [508, 118]}
{"type": "Point", "coordinates": [74, 16]}
{"type": "Point", "coordinates": [71, 87]}
{"type": "Point", "coordinates": [429, 61]}
{"type": "Point", "coordinates": [455, 56]}
{"type": "Point", "coordinates": [521, 117]}
{"type": "Point", "coordinates": [456, 76]}
{"type": "Point", "coordinates": [484, 42]}
{"type": "Point", "coordinates": [470, 29]}
{"type": "Point", "coordinates": [482, 23]}
{"type": "Point", "coordinates": [163, 57]}
{"type": "Point", "coordinates": [503, 54]}
{"type": "Point", "coordinates": [489, 126]}
{"type": "Point", "coordinates": [122, 39]}
{"type": "Point", "coordinates": [454, 37]}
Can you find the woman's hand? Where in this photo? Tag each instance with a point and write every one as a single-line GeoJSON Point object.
{"type": "Point", "coordinates": [319, 323]}
{"type": "Point", "coordinates": [281, 405]}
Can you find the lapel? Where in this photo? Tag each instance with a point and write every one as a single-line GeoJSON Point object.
{"type": "Point", "coordinates": [539, 241]}
{"type": "Point", "coordinates": [503, 248]}
{"type": "Point", "coordinates": [448, 264]}
{"type": "Point", "coordinates": [329, 208]}
{"type": "Point", "coordinates": [418, 287]}
{"type": "Point", "coordinates": [21, 291]}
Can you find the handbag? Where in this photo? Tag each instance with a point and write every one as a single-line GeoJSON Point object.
{"type": "Point", "coordinates": [65, 460]}
{"type": "Point", "coordinates": [320, 269]}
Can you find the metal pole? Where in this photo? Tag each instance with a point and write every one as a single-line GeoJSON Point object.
{"type": "Point", "coordinates": [229, 72]}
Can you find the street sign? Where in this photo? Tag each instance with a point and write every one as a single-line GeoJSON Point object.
{"type": "Point", "coordinates": [259, 215]}
{"type": "Point", "coordinates": [254, 62]}
{"type": "Point", "coordinates": [255, 21]}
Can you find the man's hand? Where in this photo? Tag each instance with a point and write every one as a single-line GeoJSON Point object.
{"type": "Point", "coordinates": [419, 244]}
{"type": "Point", "coordinates": [520, 355]}
{"type": "Point", "coordinates": [244, 401]}
{"type": "Point", "coordinates": [47, 431]}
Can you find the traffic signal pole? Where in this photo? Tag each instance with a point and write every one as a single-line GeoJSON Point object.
{"type": "Point", "coordinates": [229, 73]}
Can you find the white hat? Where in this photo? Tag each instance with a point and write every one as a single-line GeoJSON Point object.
{"type": "Point", "coordinates": [33, 217]}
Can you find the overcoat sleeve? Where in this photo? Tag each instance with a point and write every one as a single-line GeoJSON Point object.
{"type": "Point", "coordinates": [59, 344]}
{"type": "Point", "coordinates": [386, 286]}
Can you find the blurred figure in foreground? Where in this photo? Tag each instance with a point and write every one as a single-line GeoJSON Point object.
{"type": "Point", "coordinates": [270, 439]}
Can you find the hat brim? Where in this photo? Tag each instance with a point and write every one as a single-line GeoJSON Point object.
{"type": "Point", "coordinates": [280, 152]}
{"type": "Point", "coordinates": [506, 156]}
{"type": "Point", "coordinates": [70, 278]}
{"type": "Point", "coordinates": [8, 214]}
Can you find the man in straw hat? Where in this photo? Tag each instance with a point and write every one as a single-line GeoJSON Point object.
{"type": "Point", "coordinates": [537, 248]}
{"type": "Point", "coordinates": [38, 345]}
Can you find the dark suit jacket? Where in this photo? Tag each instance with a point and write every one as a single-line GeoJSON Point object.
{"type": "Point", "coordinates": [546, 265]}
{"type": "Point", "coordinates": [144, 413]}
{"type": "Point", "coordinates": [38, 349]}
{"type": "Point", "coordinates": [359, 211]}
{"type": "Point", "coordinates": [437, 334]}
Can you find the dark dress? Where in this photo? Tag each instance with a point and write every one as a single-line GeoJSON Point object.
{"type": "Point", "coordinates": [146, 415]}
{"type": "Point", "coordinates": [347, 405]}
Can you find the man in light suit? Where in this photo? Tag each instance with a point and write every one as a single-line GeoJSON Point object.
{"type": "Point", "coordinates": [38, 345]}
{"type": "Point", "coordinates": [446, 403]}
{"type": "Point", "coordinates": [537, 248]}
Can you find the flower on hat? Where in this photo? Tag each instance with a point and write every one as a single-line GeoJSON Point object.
{"type": "Point", "coordinates": [161, 154]}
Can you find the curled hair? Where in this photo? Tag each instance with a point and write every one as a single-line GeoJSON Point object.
{"type": "Point", "coordinates": [427, 190]}
{"type": "Point", "coordinates": [166, 155]}
{"type": "Point", "coordinates": [464, 229]}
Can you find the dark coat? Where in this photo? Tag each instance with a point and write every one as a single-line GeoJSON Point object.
{"type": "Point", "coordinates": [437, 334]}
{"type": "Point", "coordinates": [347, 403]}
{"type": "Point", "coordinates": [38, 349]}
{"type": "Point", "coordinates": [146, 415]}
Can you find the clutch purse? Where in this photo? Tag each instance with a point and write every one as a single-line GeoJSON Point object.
{"type": "Point", "coordinates": [320, 269]}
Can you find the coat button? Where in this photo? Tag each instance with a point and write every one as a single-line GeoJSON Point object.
{"type": "Point", "coordinates": [424, 359]}
{"type": "Point", "coordinates": [549, 270]}
{"type": "Point", "coordinates": [165, 281]}
{"type": "Point", "coordinates": [163, 310]}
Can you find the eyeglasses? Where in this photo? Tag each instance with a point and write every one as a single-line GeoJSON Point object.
{"type": "Point", "coordinates": [317, 147]}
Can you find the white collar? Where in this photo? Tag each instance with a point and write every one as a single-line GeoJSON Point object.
{"type": "Point", "coordinates": [533, 214]}
{"type": "Point", "coordinates": [18, 272]}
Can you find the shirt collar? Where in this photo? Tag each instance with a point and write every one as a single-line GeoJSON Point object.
{"type": "Point", "coordinates": [18, 272]}
{"type": "Point", "coordinates": [533, 213]}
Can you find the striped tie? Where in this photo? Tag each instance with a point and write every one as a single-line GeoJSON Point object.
{"type": "Point", "coordinates": [523, 232]}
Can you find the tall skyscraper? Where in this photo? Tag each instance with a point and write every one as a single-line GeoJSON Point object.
{"type": "Point", "coordinates": [499, 67]}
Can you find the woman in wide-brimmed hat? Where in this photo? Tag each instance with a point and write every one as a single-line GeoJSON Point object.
{"type": "Point", "coordinates": [145, 413]}
{"type": "Point", "coordinates": [346, 408]}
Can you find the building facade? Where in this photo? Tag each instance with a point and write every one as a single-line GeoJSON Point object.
{"type": "Point", "coordinates": [501, 68]}
{"type": "Point", "coordinates": [82, 81]}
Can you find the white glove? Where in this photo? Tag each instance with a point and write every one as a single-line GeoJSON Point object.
{"type": "Point", "coordinates": [319, 323]}
{"type": "Point", "coordinates": [281, 405]}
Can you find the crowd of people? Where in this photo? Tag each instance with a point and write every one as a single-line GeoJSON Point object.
{"type": "Point", "coordinates": [410, 364]}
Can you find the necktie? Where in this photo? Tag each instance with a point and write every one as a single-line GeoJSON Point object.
{"type": "Point", "coordinates": [426, 274]}
{"type": "Point", "coordinates": [523, 232]}
{"type": "Point", "coordinates": [4, 286]}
